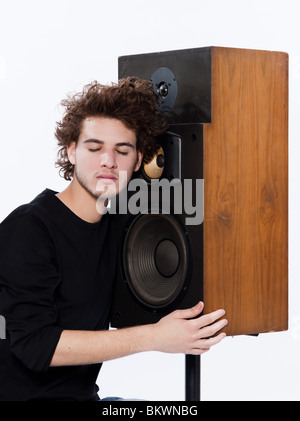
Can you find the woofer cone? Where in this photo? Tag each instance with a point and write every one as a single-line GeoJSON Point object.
{"type": "Point", "coordinates": [156, 260]}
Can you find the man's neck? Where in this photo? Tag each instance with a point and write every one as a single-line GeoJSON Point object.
{"type": "Point", "coordinates": [80, 202]}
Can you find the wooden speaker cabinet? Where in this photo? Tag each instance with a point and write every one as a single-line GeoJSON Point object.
{"type": "Point", "coordinates": [246, 190]}
{"type": "Point", "coordinates": [239, 97]}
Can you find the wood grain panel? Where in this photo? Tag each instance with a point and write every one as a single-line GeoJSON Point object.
{"type": "Point", "coordinates": [246, 190]}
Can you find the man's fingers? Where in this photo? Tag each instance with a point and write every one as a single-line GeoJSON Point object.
{"type": "Point", "coordinates": [207, 343]}
{"type": "Point", "coordinates": [190, 313]}
{"type": "Point", "coordinates": [203, 345]}
{"type": "Point", "coordinates": [209, 331]}
{"type": "Point", "coordinates": [208, 319]}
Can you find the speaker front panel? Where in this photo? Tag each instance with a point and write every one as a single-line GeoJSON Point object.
{"type": "Point", "coordinates": [160, 254]}
{"type": "Point", "coordinates": [181, 78]}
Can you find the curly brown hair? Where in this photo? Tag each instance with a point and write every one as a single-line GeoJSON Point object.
{"type": "Point", "coordinates": [131, 101]}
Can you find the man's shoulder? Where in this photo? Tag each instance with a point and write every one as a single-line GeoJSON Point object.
{"type": "Point", "coordinates": [27, 215]}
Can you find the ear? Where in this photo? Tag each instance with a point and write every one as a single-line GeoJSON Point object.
{"type": "Point", "coordinates": [71, 152]}
{"type": "Point", "coordinates": [139, 161]}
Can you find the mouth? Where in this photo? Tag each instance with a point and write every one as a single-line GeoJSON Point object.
{"type": "Point", "coordinates": [107, 178]}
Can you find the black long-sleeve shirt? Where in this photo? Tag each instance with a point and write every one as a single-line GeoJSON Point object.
{"type": "Point", "coordinates": [56, 273]}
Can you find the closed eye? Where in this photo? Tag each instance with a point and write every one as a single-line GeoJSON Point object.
{"type": "Point", "coordinates": [94, 150]}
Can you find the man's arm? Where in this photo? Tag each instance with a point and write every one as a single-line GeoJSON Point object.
{"type": "Point", "coordinates": [179, 332]}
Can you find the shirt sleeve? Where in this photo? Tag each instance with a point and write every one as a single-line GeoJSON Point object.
{"type": "Point", "coordinates": [29, 279]}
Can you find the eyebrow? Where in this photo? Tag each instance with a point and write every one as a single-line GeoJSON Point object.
{"type": "Point", "coordinates": [101, 142]}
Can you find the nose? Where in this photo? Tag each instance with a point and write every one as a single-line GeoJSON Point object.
{"type": "Point", "coordinates": [108, 160]}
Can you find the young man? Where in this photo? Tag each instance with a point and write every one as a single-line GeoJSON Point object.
{"type": "Point", "coordinates": [58, 257]}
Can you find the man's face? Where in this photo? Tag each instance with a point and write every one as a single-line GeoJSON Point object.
{"type": "Point", "coordinates": [105, 148]}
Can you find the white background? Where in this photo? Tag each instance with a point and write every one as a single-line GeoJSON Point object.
{"type": "Point", "coordinates": [49, 48]}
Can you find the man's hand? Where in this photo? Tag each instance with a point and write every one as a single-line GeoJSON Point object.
{"type": "Point", "coordinates": [183, 332]}
{"type": "Point", "coordinates": [179, 332]}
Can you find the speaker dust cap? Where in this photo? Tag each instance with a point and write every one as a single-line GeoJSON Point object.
{"type": "Point", "coordinates": [156, 259]}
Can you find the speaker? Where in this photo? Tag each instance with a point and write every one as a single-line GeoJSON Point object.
{"type": "Point", "coordinates": [159, 248]}
{"type": "Point", "coordinates": [214, 220]}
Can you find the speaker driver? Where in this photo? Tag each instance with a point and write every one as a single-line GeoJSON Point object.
{"type": "Point", "coordinates": [155, 167]}
{"type": "Point", "coordinates": [156, 259]}
{"type": "Point", "coordinates": [165, 85]}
